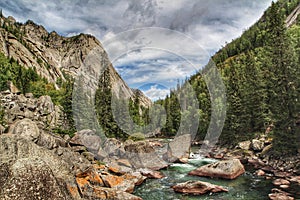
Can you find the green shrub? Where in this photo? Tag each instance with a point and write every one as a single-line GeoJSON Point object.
{"type": "Point", "coordinates": [137, 136]}
{"type": "Point", "coordinates": [60, 131]}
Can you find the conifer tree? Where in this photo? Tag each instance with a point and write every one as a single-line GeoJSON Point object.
{"type": "Point", "coordinates": [284, 93]}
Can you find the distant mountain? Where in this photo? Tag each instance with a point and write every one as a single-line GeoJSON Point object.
{"type": "Point", "coordinates": [54, 56]}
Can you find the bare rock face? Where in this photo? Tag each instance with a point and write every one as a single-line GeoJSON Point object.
{"type": "Point", "coordinates": [29, 171]}
{"type": "Point", "coordinates": [32, 178]}
{"type": "Point", "coordinates": [227, 169]}
{"type": "Point", "coordinates": [197, 188]}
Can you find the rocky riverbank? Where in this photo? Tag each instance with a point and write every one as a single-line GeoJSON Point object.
{"type": "Point", "coordinates": [37, 163]}
{"type": "Point", "coordinates": [284, 172]}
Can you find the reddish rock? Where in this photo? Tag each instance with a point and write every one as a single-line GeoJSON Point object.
{"type": "Point", "coordinates": [278, 182]}
{"type": "Point", "coordinates": [110, 193]}
{"type": "Point", "coordinates": [91, 176]}
{"type": "Point", "coordinates": [136, 178]}
{"type": "Point", "coordinates": [219, 156]}
{"type": "Point", "coordinates": [99, 167]}
{"type": "Point", "coordinates": [295, 179]}
{"type": "Point", "coordinates": [83, 184]}
{"type": "Point", "coordinates": [73, 189]}
{"type": "Point", "coordinates": [257, 163]}
{"type": "Point", "coordinates": [183, 160]}
{"type": "Point", "coordinates": [114, 169]}
{"type": "Point", "coordinates": [124, 183]}
{"type": "Point", "coordinates": [197, 188]}
{"type": "Point", "coordinates": [260, 173]}
{"type": "Point", "coordinates": [227, 169]}
{"type": "Point", "coordinates": [152, 173]}
{"type": "Point", "coordinates": [112, 180]}
{"type": "Point", "coordinates": [87, 180]}
{"type": "Point", "coordinates": [282, 174]}
{"type": "Point", "coordinates": [276, 190]}
{"type": "Point", "coordinates": [280, 196]}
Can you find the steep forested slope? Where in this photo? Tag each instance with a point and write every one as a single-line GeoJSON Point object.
{"type": "Point", "coordinates": [261, 73]}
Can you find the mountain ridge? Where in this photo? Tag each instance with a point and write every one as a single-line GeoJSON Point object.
{"type": "Point", "coordinates": [53, 56]}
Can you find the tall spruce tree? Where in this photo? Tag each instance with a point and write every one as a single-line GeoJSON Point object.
{"type": "Point", "coordinates": [283, 77]}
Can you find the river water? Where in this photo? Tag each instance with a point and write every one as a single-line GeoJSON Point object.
{"type": "Point", "coordinates": [246, 187]}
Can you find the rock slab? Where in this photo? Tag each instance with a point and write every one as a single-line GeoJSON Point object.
{"type": "Point", "coordinates": [197, 188]}
{"type": "Point", "coordinates": [227, 169]}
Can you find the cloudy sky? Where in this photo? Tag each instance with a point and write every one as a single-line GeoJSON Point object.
{"type": "Point", "coordinates": [184, 33]}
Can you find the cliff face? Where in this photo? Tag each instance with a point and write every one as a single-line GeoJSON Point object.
{"type": "Point", "coordinates": [292, 18]}
{"type": "Point", "coordinates": [53, 55]}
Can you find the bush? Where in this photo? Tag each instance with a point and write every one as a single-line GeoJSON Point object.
{"type": "Point", "coordinates": [60, 131]}
{"type": "Point", "coordinates": [137, 137]}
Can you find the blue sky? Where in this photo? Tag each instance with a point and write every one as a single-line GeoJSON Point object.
{"type": "Point", "coordinates": [209, 23]}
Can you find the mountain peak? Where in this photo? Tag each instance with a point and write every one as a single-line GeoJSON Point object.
{"type": "Point", "coordinates": [49, 53]}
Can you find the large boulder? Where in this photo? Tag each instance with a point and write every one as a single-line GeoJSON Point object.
{"type": "Point", "coordinates": [29, 130]}
{"type": "Point", "coordinates": [151, 173]}
{"type": "Point", "coordinates": [29, 171]}
{"type": "Point", "coordinates": [126, 182]}
{"type": "Point", "coordinates": [197, 188]}
{"type": "Point", "coordinates": [97, 183]}
{"type": "Point", "coordinates": [142, 155]}
{"type": "Point", "coordinates": [87, 138]}
{"type": "Point", "coordinates": [32, 178]}
{"type": "Point", "coordinates": [111, 148]}
{"type": "Point", "coordinates": [179, 148]}
{"type": "Point", "coordinates": [257, 145]}
{"type": "Point", "coordinates": [278, 194]}
{"type": "Point", "coordinates": [26, 129]}
{"type": "Point", "coordinates": [110, 193]}
{"type": "Point", "coordinates": [227, 169]}
{"type": "Point", "coordinates": [279, 182]}
{"type": "Point", "coordinates": [245, 145]}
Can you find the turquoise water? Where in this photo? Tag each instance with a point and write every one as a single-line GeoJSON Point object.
{"type": "Point", "coordinates": [247, 186]}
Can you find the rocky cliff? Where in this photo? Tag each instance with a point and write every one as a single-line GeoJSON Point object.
{"type": "Point", "coordinates": [292, 18]}
{"type": "Point", "coordinates": [53, 56]}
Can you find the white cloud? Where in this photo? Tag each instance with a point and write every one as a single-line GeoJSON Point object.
{"type": "Point", "coordinates": [166, 69]}
{"type": "Point", "coordinates": [208, 23]}
{"type": "Point", "coordinates": [155, 93]}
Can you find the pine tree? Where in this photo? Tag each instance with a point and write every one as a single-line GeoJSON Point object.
{"type": "Point", "coordinates": [254, 95]}
{"type": "Point", "coordinates": [283, 100]}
